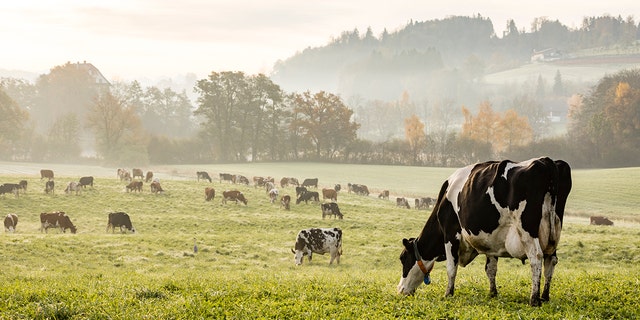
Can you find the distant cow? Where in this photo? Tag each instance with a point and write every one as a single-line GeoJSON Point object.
{"type": "Point", "coordinates": [137, 173]}
{"type": "Point", "coordinates": [309, 195]}
{"type": "Point", "coordinates": [209, 194]}
{"type": "Point", "coordinates": [310, 182]}
{"type": "Point", "coordinates": [240, 179]}
{"type": "Point", "coordinates": [73, 187]}
{"type": "Point", "coordinates": [203, 175]}
{"type": "Point", "coordinates": [10, 222]}
{"type": "Point", "coordinates": [46, 173]}
{"type": "Point", "coordinates": [49, 186]}
{"type": "Point", "coordinates": [384, 194]}
{"type": "Point", "coordinates": [330, 194]}
{"type": "Point", "coordinates": [9, 188]}
{"type": "Point", "coordinates": [148, 177]}
{"type": "Point", "coordinates": [285, 201]}
{"type": "Point", "coordinates": [56, 219]}
{"type": "Point", "coordinates": [402, 202]}
{"type": "Point", "coordinates": [86, 181]}
{"type": "Point", "coordinates": [155, 187]}
{"type": "Point", "coordinates": [134, 186]}
{"type": "Point", "coordinates": [289, 182]}
{"type": "Point", "coordinates": [330, 209]}
{"type": "Point", "coordinates": [273, 195]}
{"type": "Point", "coordinates": [360, 189]}
{"type": "Point", "coordinates": [23, 185]}
{"type": "Point", "coordinates": [600, 221]}
{"type": "Point", "coordinates": [320, 241]}
{"type": "Point", "coordinates": [423, 203]}
{"type": "Point", "coordinates": [226, 177]}
{"type": "Point", "coordinates": [124, 175]}
{"type": "Point", "coordinates": [121, 220]}
{"type": "Point", "coordinates": [300, 190]}
{"type": "Point", "coordinates": [233, 195]}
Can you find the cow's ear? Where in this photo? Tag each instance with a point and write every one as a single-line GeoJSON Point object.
{"type": "Point", "coordinates": [406, 243]}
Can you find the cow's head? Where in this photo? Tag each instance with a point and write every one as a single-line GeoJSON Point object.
{"type": "Point", "coordinates": [299, 255]}
{"type": "Point", "coordinates": [242, 199]}
{"type": "Point", "coordinates": [414, 269]}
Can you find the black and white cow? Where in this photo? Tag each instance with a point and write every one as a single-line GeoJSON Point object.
{"type": "Point", "coordinates": [330, 209]}
{"type": "Point", "coordinates": [320, 241]}
{"type": "Point", "coordinates": [499, 209]}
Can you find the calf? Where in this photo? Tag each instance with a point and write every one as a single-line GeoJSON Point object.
{"type": "Point", "coordinates": [10, 222]}
{"type": "Point", "coordinates": [121, 220]}
{"type": "Point", "coordinates": [134, 186]}
{"type": "Point", "coordinates": [203, 175]}
{"type": "Point", "coordinates": [600, 221]}
{"type": "Point", "coordinates": [56, 219]}
{"type": "Point", "coordinates": [233, 195]}
{"type": "Point", "coordinates": [73, 187]}
{"type": "Point", "coordinates": [320, 241]}
{"type": "Point", "coordinates": [330, 194]}
{"type": "Point", "coordinates": [209, 194]}
{"type": "Point", "coordinates": [49, 186]}
{"type": "Point", "coordinates": [86, 181]}
{"type": "Point", "coordinates": [155, 187]}
{"type": "Point", "coordinates": [309, 195]}
{"type": "Point", "coordinates": [285, 201]}
{"type": "Point", "coordinates": [330, 209]}
{"type": "Point", "coordinates": [46, 173]}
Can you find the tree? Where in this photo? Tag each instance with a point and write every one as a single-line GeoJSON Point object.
{"type": "Point", "coordinates": [12, 123]}
{"type": "Point", "coordinates": [64, 138]}
{"type": "Point", "coordinates": [415, 135]}
{"type": "Point", "coordinates": [558, 88]}
{"type": "Point", "coordinates": [514, 131]}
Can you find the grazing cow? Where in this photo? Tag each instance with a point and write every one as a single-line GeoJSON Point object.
{"type": "Point", "coordinates": [309, 195]}
{"type": "Point", "coordinates": [119, 219]}
{"type": "Point", "coordinates": [240, 179]}
{"type": "Point", "coordinates": [337, 187]}
{"type": "Point", "coordinates": [423, 203]}
{"type": "Point", "coordinates": [86, 181]}
{"type": "Point", "coordinates": [10, 222]}
{"type": "Point", "coordinates": [360, 189]}
{"type": "Point", "coordinates": [203, 175]}
{"type": "Point", "coordinates": [329, 209]}
{"type": "Point", "coordinates": [209, 193]}
{"type": "Point", "coordinates": [134, 186]}
{"type": "Point", "coordinates": [124, 175]}
{"type": "Point", "coordinates": [49, 186]}
{"type": "Point", "coordinates": [330, 194]}
{"type": "Point", "coordinates": [233, 195]}
{"type": "Point", "coordinates": [148, 177]}
{"type": "Point", "coordinates": [268, 186]}
{"type": "Point", "coordinates": [284, 182]}
{"type": "Point", "coordinates": [46, 173]}
{"type": "Point", "coordinates": [273, 195]}
{"type": "Point", "coordinates": [300, 190]}
{"type": "Point", "coordinates": [23, 185]}
{"type": "Point", "coordinates": [285, 201]}
{"type": "Point", "coordinates": [600, 221]}
{"type": "Point", "coordinates": [320, 241]}
{"type": "Point", "coordinates": [310, 183]}
{"type": "Point", "coordinates": [402, 202]}
{"type": "Point", "coordinates": [9, 188]}
{"type": "Point", "coordinates": [155, 187]}
{"type": "Point", "coordinates": [137, 173]}
{"type": "Point", "coordinates": [226, 177]}
{"type": "Point", "coordinates": [73, 187]}
{"type": "Point", "coordinates": [56, 219]}
{"type": "Point", "coordinates": [384, 194]}
{"type": "Point", "coordinates": [499, 209]}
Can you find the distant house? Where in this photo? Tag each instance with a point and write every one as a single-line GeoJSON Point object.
{"type": "Point", "coordinates": [549, 54]}
{"type": "Point", "coordinates": [93, 72]}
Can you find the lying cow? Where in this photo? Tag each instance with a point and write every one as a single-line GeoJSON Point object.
{"type": "Point", "coordinates": [600, 221]}
{"type": "Point", "coordinates": [499, 209]}
{"type": "Point", "coordinates": [330, 194]}
{"type": "Point", "coordinates": [209, 194]}
{"type": "Point", "coordinates": [309, 195]}
{"type": "Point", "coordinates": [320, 241]}
{"type": "Point", "coordinates": [10, 222]}
{"type": "Point", "coordinates": [134, 186]}
{"type": "Point", "coordinates": [155, 187]}
{"type": "Point", "coordinates": [285, 202]}
{"type": "Point", "coordinates": [86, 181]}
{"type": "Point", "coordinates": [56, 220]}
{"type": "Point", "coordinates": [73, 187]}
{"type": "Point", "coordinates": [233, 195]}
{"type": "Point", "coordinates": [330, 209]}
{"type": "Point", "coordinates": [121, 220]}
{"type": "Point", "coordinates": [203, 175]}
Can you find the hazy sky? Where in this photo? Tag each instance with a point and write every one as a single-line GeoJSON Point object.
{"type": "Point", "coordinates": [131, 39]}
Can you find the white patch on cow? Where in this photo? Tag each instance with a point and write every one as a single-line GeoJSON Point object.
{"type": "Point", "coordinates": [414, 278]}
{"type": "Point", "coordinates": [512, 165]}
{"type": "Point", "coordinates": [456, 182]}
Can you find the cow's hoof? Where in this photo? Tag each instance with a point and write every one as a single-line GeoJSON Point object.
{"type": "Point", "coordinates": [535, 302]}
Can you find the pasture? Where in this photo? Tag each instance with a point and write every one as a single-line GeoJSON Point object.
{"type": "Point", "coordinates": [244, 267]}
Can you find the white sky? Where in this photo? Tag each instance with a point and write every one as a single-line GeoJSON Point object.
{"type": "Point", "coordinates": [131, 39]}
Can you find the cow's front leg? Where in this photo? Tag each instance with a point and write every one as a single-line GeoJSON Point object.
{"type": "Point", "coordinates": [549, 267]}
{"type": "Point", "coordinates": [491, 268]}
{"type": "Point", "coordinates": [451, 251]}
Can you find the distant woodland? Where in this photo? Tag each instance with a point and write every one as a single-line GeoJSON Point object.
{"type": "Point", "coordinates": [415, 96]}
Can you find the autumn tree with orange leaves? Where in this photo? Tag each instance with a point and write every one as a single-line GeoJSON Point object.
{"type": "Point", "coordinates": [415, 134]}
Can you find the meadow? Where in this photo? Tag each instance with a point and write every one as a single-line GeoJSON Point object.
{"type": "Point", "coordinates": [244, 268]}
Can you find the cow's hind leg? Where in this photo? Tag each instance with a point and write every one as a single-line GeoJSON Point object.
{"type": "Point", "coordinates": [549, 267]}
{"type": "Point", "coordinates": [536, 258]}
{"type": "Point", "coordinates": [491, 268]}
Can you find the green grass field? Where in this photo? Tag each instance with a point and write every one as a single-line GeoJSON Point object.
{"type": "Point", "coordinates": [244, 268]}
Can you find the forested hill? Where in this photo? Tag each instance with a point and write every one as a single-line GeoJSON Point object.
{"type": "Point", "coordinates": [441, 58]}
